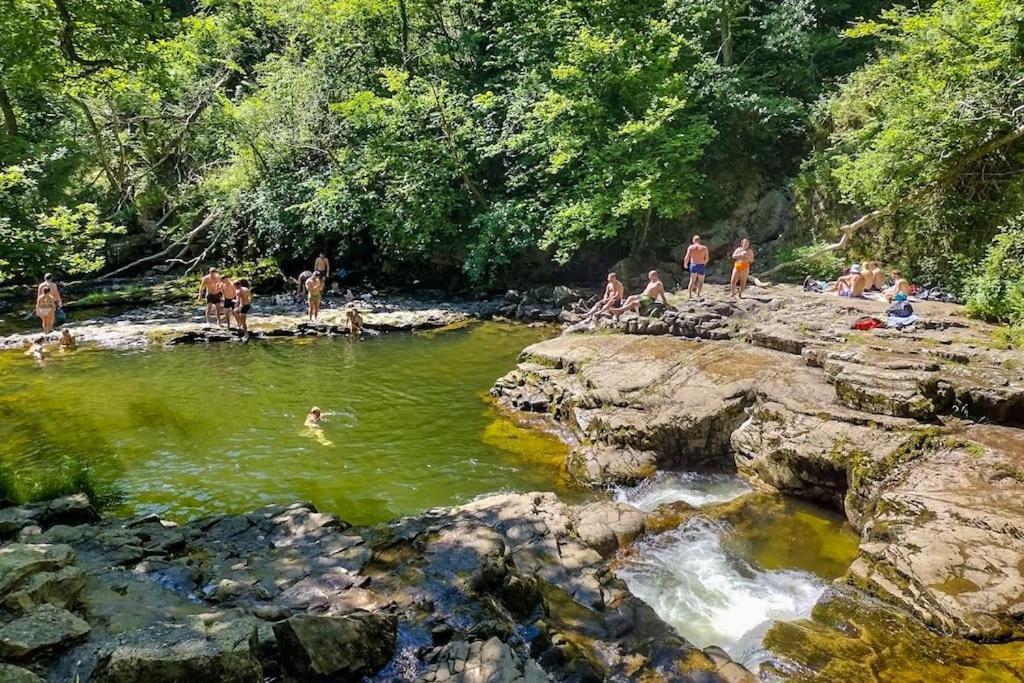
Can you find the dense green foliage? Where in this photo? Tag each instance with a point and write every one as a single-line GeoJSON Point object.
{"type": "Point", "coordinates": [473, 136]}
{"type": "Point", "coordinates": [932, 130]}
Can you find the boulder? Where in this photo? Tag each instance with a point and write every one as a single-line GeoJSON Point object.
{"type": "Point", "coordinates": [226, 653]}
{"type": "Point", "coordinates": [315, 648]}
{"type": "Point", "coordinates": [19, 561]}
{"type": "Point", "coordinates": [60, 588]}
{"type": "Point", "coordinates": [15, 674]}
{"type": "Point", "coordinates": [47, 628]}
{"type": "Point", "coordinates": [607, 526]}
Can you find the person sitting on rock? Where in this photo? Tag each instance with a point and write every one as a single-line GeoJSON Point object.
{"type": "Point", "coordinates": [696, 261]}
{"type": "Point", "coordinates": [613, 293]}
{"type": "Point", "coordinates": [355, 321]}
{"type": "Point", "coordinates": [851, 285]}
{"type": "Point", "coordinates": [873, 276]}
{"type": "Point", "coordinates": [644, 301]}
{"type": "Point", "coordinates": [899, 286]}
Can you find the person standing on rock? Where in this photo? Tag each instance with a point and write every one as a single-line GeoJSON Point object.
{"type": "Point", "coordinates": [314, 292]}
{"type": "Point", "coordinates": [696, 261]}
{"type": "Point", "coordinates": [613, 293]}
{"type": "Point", "coordinates": [244, 305]}
{"type": "Point", "coordinates": [644, 301]}
{"type": "Point", "coordinates": [742, 257]}
{"type": "Point", "coordinates": [323, 266]}
{"type": "Point", "coordinates": [230, 293]}
{"type": "Point", "coordinates": [210, 287]}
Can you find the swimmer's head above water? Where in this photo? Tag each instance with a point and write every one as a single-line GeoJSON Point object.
{"type": "Point", "coordinates": [314, 415]}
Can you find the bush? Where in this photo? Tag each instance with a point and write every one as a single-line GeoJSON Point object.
{"type": "Point", "coordinates": [996, 293]}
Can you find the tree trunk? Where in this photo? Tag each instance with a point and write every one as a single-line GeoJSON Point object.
{"type": "Point", "coordinates": [10, 120]}
{"type": "Point", "coordinates": [725, 26]}
{"type": "Point", "coordinates": [403, 14]}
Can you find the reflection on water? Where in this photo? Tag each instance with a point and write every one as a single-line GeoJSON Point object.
{"type": "Point", "coordinates": [211, 429]}
{"type": "Point", "coordinates": [751, 560]}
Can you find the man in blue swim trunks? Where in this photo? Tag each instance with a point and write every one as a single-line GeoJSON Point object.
{"type": "Point", "coordinates": [696, 261]}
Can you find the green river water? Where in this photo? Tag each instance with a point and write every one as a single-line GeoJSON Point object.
{"type": "Point", "coordinates": [193, 431]}
{"type": "Point", "coordinates": [209, 429]}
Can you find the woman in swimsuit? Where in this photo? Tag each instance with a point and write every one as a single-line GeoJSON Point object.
{"type": "Point", "coordinates": [46, 310]}
{"type": "Point", "coordinates": [742, 257]}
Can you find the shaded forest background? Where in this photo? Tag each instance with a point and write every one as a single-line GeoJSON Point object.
{"type": "Point", "coordinates": [478, 143]}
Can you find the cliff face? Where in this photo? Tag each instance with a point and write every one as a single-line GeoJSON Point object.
{"type": "Point", "coordinates": [914, 434]}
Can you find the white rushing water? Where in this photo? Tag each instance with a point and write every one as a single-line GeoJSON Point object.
{"type": "Point", "coordinates": [697, 489]}
{"type": "Point", "coordinates": [711, 596]}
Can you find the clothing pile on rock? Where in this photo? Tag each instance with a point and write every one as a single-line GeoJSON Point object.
{"type": "Point", "coordinates": [901, 313]}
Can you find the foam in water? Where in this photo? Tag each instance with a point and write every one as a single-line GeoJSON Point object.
{"type": "Point", "coordinates": [713, 597]}
{"type": "Point", "coordinates": [697, 489]}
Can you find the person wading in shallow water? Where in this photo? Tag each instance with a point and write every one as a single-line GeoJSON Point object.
{"type": "Point", "coordinates": [742, 257]}
{"type": "Point", "coordinates": [315, 290]}
{"type": "Point", "coordinates": [355, 321]}
{"type": "Point", "coordinates": [46, 309]}
{"type": "Point", "coordinates": [210, 287]}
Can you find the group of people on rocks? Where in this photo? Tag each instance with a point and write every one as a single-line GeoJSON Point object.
{"type": "Point", "coordinates": [867, 277]}
{"type": "Point", "coordinates": [615, 302]}
{"type": "Point", "coordinates": [313, 285]}
{"type": "Point", "coordinates": [226, 299]}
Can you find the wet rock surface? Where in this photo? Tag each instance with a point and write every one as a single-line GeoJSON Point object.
{"type": "Point", "coordinates": [272, 316]}
{"type": "Point", "coordinates": [881, 424]}
{"type": "Point", "coordinates": [513, 587]}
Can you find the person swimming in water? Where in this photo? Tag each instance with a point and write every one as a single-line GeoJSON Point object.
{"type": "Point", "coordinates": [37, 349]}
{"type": "Point", "coordinates": [314, 420]}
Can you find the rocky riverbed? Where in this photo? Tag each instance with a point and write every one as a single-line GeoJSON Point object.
{"type": "Point", "coordinates": [511, 587]}
{"type": "Point", "coordinates": [915, 435]}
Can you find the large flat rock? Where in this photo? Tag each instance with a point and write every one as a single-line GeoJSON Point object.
{"type": "Point", "coordinates": [46, 628]}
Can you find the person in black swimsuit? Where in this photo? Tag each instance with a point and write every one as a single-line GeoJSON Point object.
{"type": "Point", "coordinates": [211, 286]}
{"type": "Point", "coordinates": [244, 304]}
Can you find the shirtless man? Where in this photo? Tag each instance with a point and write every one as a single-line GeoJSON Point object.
{"type": "Point", "coordinates": [323, 266]}
{"type": "Point", "coordinates": [696, 261]}
{"type": "Point", "coordinates": [742, 257]}
{"type": "Point", "coordinates": [899, 286]}
{"type": "Point", "coordinates": [642, 302]}
{"type": "Point", "coordinates": [314, 291]}
{"type": "Point", "coordinates": [355, 321]}
{"type": "Point", "coordinates": [210, 287]}
{"type": "Point", "coordinates": [230, 293]}
{"type": "Point", "coordinates": [613, 293]}
{"type": "Point", "coordinates": [244, 305]}
{"type": "Point", "coordinates": [303, 276]}
{"type": "Point", "coordinates": [874, 277]}
{"type": "Point", "coordinates": [54, 292]}
{"type": "Point", "coordinates": [852, 285]}
{"type": "Point", "coordinates": [46, 308]}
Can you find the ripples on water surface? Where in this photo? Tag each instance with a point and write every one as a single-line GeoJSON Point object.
{"type": "Point", "coordinates": [724, 580]}
{"type": "Point", "coordinates": [212, 429]}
